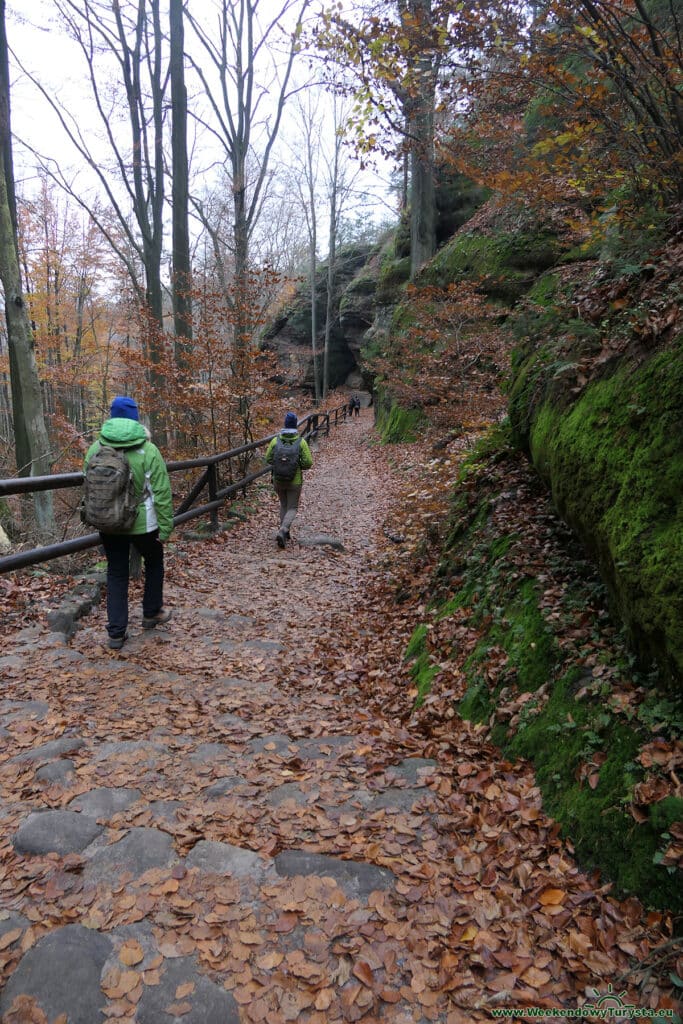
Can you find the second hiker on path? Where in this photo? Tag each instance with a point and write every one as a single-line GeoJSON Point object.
{"type": "Point", "coordinates": [289, 455]}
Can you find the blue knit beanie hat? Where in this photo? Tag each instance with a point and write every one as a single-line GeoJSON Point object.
{"type": "Point", "coordinates": [124, 408]}
{"type": "Point", "coordinates": [291, 421]}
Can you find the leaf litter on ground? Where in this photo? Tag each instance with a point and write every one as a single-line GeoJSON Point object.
{"type": "Point", "coordinates": [488, 907]}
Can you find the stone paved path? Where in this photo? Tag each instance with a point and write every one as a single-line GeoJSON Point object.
{"type": "Point", "coordinates": [221, 824]}
{"type": "Point", "coordinates": [168, 812]}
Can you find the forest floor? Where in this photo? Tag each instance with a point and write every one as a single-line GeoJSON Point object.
{"type": "Point", "coordinates": [241, 816]}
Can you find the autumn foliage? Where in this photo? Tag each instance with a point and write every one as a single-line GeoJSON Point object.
{"type": "Point", "coordinates": [584, 103]}
{"type": "Point", "coordinates": [446, 355]}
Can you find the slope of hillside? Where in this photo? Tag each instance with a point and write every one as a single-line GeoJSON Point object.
{"type": "Point", "coordinates": [571, 660]}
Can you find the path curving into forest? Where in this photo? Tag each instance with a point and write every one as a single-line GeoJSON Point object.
{"type": "Point", "coordinates": [238, 818]}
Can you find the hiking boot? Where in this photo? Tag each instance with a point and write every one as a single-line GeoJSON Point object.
{"type": "Point", "coordinates": [117, 642]}
{"type": "Point", "coordinates": [280, 538]}
{"type": "Point", "coordinates": [157, 620]}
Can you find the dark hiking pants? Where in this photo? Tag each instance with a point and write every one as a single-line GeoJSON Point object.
{"type": "Point", "coordinates": [117, 550]}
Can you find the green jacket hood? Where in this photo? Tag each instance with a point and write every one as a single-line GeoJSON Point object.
{"type": "Point", "coordinates": [123, 433]}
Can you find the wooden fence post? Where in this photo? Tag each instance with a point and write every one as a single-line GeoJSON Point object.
{"type": "Point", "coordinates": [213, 492]}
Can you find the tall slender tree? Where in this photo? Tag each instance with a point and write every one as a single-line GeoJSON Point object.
{"type": "Point", "coordinates": [125, 35]}
{"type": "Point", "coordinates": [305, 154]}
{"type": "Point", "coordinates": [247, 93]}
{"type": "Point", "coordinates": [391, 55]}
{"type": "Point", "coordinates": [181, 285]}
{"type": "Point", "coordinates": [419, 97]}
{"type": "Point", "coordinates": [341, 183]}
{"type": "Point", "coordinates": [32, 442]}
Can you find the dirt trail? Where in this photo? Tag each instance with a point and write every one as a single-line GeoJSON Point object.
{"type": "Point", "coordinates": [227, 821]}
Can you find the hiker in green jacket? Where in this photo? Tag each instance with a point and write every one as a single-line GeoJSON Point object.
{"type": "Point", "coordinates": [152, 526]}
{"type": "Point", "coordinates": [288, 472]}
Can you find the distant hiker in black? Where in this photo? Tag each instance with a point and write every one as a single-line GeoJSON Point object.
{"type": "Point", "coordinates": [354, 405]}
{"type": "Point", "coordinates": [288, 454]}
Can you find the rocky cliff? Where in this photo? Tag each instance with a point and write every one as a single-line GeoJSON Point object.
{"type": "Point", "coordinates": [353, 303]}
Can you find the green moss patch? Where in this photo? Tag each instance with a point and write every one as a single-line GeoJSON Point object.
{"type": "Point", "coordinates": [393, 275]}
{"type": "Point", "coordinates": [585, 762]}
{"type": "Point", "coordinates": [615, 466]}
{"type": "Point", "coordinates": [397, 424]}
{"type": "Point", "coordinates": [423, 669]}
{"type": "Point", "coordinates": [505, 265]}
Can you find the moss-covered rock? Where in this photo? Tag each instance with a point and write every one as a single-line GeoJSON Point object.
{"type": "Point", "coordinates": [614, 462]}
{"type": "Point", "coordinates": [393, 273]}
{"type": "Point", "coordinates": [457, 198]}
{"type": "Point", "coordinates": [396, 424]}
{"type": "Point", "coordinates": [504, 265]}
{"type": "Point", "coordinates": [353, 304]}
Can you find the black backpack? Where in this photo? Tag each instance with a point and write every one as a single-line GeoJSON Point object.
{"type": "Point", "coordinates": [285, 459]}
{"type": "Point", "coordinates": [110, 502]}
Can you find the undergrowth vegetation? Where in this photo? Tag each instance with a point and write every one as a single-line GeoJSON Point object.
{"type": "Point", "coordinates": [519, 617]}
{"type": "Point", "coordinates": [561, 635]}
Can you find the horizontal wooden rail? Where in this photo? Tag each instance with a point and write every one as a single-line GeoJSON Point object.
{"type": "Point", "coordinates": [29, 484]}
{"type": "Point", "coordinates": [314, 424]}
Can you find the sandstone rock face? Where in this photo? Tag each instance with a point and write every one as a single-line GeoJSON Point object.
{"type": "Point", "coordinates": [289, 336]}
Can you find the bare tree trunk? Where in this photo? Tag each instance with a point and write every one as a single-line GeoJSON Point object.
{"type": "Point", "coordinates": [312, 219]}
{"type": "Point", "coordinates": [323, 141]}
{"type": "Point", "coordinates": [420, 110]}
{"type": "Point", "coordinates": [29, 421]}
{"type": "Point", "coordinates": [422, 192]}
{"type": "Point", "coordinates": [241, 243]}
{"type": "Point", "coordinates": [182, 269]}
{"type": "Point", "coordinates": [340, 188]}
{"type": "Point", "coordinates": [21, 442]}
{"type": "Point", "coordinates": [235, 51]}
{"type": "Point", "coordinates": [313, 270]}
{"type": "Point", "coordinates": [331, 266]}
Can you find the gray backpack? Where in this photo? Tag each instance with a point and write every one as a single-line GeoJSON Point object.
{"type": "Point", "coordinates": [110, 502]}
{"type": "Point", "coordinates": [285, 459]}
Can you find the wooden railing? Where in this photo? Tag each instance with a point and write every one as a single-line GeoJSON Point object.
{"type": "Point", "coordinates": [313, 424]}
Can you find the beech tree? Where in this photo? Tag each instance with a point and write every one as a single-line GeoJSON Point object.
{"type": "Point", "coordinates": [305, 157]}
{"type": "Point", "coordinates": [325, 184]}
{"type": "Point", "coordinates": [125, 35]}
{"type": "Point", "coordinates": [340, 184]}
{"type": "Point", "coordinates": [246, 92]}
{"type": "Point", "coordinates": [615, 65]}
{"type": "Point", "coordinates": [63, 256]}
{"type": "Point", "coordinates": [403, 57]}
{"type": "Point", "coordinates": [30, 431]}
{"type": "Point", "coordinates": [393, 52]}
{"type": "Point", "coordinates": [181, 285]}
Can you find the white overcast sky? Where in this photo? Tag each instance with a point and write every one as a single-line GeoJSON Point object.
{"type": "Point", "coordinates": [39, 43]}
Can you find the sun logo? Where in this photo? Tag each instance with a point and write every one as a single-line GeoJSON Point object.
{"type": "Point", "coordinates": [611, 1000]}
